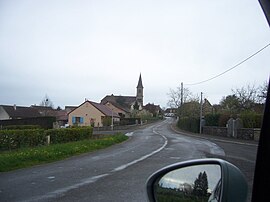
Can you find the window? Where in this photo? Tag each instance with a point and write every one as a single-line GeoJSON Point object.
{"type": "Point", "coordinates": [76, 120]}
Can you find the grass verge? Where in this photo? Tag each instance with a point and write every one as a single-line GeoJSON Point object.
{"type": "Point", "coordinates": [26, 157]}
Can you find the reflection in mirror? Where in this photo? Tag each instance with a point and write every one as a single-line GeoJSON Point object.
{"type": "Point", "coordinates": [193, 183]}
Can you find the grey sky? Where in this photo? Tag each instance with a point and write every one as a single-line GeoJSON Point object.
{"type": "Point", "coordinates": [71, 50]}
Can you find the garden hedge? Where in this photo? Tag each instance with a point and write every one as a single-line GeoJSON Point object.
{"type": "Point", "coordinates": [191, 124]}
{"type": "Point", "coordinates": [63, 135]}
{"type": "Point", "coordinates": [20, 127]}
{"type": "Point", "coordinates": [14, 139]}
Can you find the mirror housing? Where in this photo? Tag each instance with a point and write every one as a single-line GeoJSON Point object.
{"type": "Point", "coordinates": [233, 185]}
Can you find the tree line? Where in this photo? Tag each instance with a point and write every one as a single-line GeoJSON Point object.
{"type": "Point", "coordinates": [246, 103]}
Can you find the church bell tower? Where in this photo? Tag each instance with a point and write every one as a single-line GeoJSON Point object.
{"type": "Point", "coordinates": [139, 96]}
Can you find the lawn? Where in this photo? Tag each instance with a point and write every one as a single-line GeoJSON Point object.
{"type": "Point", "coordinates": [26, 157]}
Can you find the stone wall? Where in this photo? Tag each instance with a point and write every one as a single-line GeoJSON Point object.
{"type": "Point", "coordinates": [240, 133]}
{"type": "Point", "coordinates": [213, 130]}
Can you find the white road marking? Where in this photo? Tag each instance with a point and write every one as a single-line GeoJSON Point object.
{"type": "Point", "coordinates": [93, 179]}
{"type": "Point", "coordinates": [129, 134]}
{"type": "Point", "coordinates": [122, 167]}
{"type": "Point", "coordinates": [62, 191]}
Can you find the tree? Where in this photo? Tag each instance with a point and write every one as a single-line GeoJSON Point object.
{"type": "Point", "coordinates": [243, 99]}
{"type": "Point", "coordinates": [230, 103]}
{"type": "Point", "coordinates": [175, 97]}
{"type": "Point", "coordinates": [262, 92]}
{"type": "Point", "coordinates": [46, 102]}
{"type": "Point", "coordinates": [201, 185]}
{"type": "Point", "coordinates": [247, 97]}
{"type": "Point", "coordinates": [136, 106]}
{"type": "Point", "coordinates": [189, 109]}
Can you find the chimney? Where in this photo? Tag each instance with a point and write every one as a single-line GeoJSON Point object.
{"type": "Point", "coordinates": [14, 106]}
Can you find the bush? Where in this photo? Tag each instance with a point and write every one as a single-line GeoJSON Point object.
{"type": "Point", "coordinates": [20, 127]}
{"type": "Point", "coordinates": [63, 135]}
{"type": "Point", "coordinates": [251, 119]}
{"type": "Point", "coordinates": [223, 119]}
{"type": "Point", "coordinates": [26, 157]}
{"type": "Point", "coordinates": [212, 119]}
{"type": "Point", "coordinates": [189, 124]}
{"type": "Point", "coordinates": [14, 139]}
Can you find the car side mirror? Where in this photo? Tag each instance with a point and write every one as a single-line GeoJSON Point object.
{"type": "Point", "coordinates": [198, 180]}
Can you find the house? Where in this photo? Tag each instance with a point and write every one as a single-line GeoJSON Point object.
{"type": "Point", "coordinates": [207, 107]}
{"type": "Point", "coordinates": [155, 110]}
{"type": "Point", "coordinates": [170, 112]}
{"type": "Point", "coordinates": [92, 114]}
{"type": "Point", "coordinates": [123, 112]}
{"type": "Point", "coordinates": [44, 110]}
{"type": "Point", "coordinates": [60, 115]}
{"type": "Point", "coordinates": [124, 105]}
{"type": "Point", "coordinates": [70, 108]}
{"type": "Point", "coordinates": [17, 112]}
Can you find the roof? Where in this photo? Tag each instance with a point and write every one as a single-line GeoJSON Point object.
{"type": "Point", "coordinates": [140, 82]}
{"type": "Point", "coordinates": [61, 115]}
{"type": "Point", "coordinates": [69, 108]}
{"type": "Point", "coordinates": [152, 107]}
{"type": "Point", "coordinates": [101, 107]}
{"type": "Point", "coordinates": [16, 112]}
{"type": "Point", "coordinates": [104, 109]}
{"type": "Point", "coordinates": [122, 102]}
{"type": "Point", "coordinates": [44, 110]}
{"type": "Point", "coordinates": [118, 106]}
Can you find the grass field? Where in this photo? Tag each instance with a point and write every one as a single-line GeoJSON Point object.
{"type": "Point", "coordinates": [26, 157]}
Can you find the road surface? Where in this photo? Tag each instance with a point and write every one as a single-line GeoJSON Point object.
{"type": "Point", "coordinates": [118, 173]}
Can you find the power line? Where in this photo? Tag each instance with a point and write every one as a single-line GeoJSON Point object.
{"type": "Point", "coordinates": [238, 64]}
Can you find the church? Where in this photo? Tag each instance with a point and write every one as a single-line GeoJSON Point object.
{"type": "Point", "coordinates": [124, 105]}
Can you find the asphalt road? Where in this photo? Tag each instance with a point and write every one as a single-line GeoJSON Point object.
{"type": "Point", "coordinates": [119, 173]}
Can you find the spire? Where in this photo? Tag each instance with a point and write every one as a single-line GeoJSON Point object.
{"type": "Point", "coordinates": [140, 82]}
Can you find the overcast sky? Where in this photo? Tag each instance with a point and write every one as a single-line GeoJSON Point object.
{"type": "Point", "coordinates": [75, 49]}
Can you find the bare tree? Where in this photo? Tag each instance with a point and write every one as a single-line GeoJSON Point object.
{"type": "Point", "coordinates": [247, 96]}
{"type": "Point", "coordinates": [175, 97]}
{"type": "Point", "coordinates": [46, 102]}
{"type": "Point", "coordinates": [262, 92]}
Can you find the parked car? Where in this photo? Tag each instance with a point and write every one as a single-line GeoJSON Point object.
{"type": "Point", "coordinates": [215, 179]}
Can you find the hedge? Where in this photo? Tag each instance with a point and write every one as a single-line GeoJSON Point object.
{"type": "Point", "coordinates": [251, 120]}
{"type": "Point", "coordinates": [20, 127]}
{"type": "Point", "coordinates": [189, 124]}
{"type": "Point", "coordinates": [63, 135]}
{"type": "Point", "coordinates": [212, 119]}
{"type": "Point", "coordinates": [15, 139]}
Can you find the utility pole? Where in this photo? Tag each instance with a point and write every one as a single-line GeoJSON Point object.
{"type": "Point", "coordinates": [182, 93]}
{"type": "Point", "coordinates": [201, 107]}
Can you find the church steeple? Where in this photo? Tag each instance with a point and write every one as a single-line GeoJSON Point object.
{"type": "Point", "coordinates": [139, 96]}
{"type": "Point", "coordinates": [140, 82]}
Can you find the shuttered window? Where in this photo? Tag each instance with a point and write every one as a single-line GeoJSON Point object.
{"type": "Point", "coordinates": [76, 119]}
